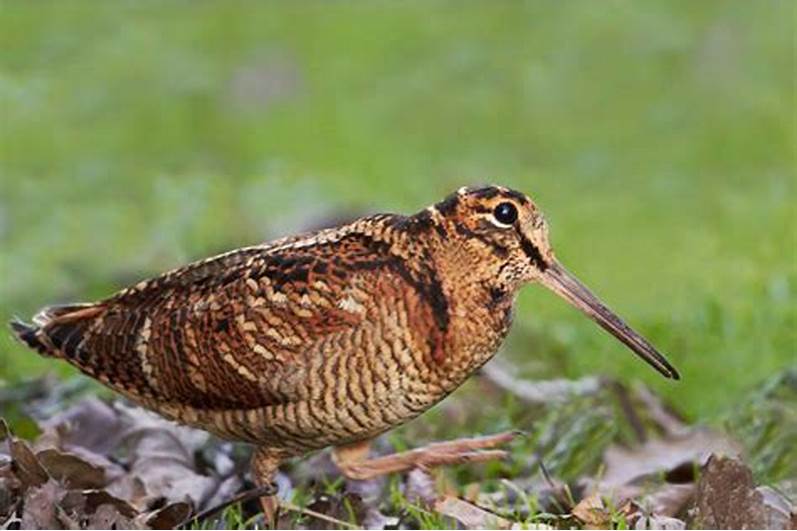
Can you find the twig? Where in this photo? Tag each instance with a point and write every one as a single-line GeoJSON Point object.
{"type": "Point", "coordinates": [309, 512]}
{"type": "Point", "coordinates": [265, 490]}
{"type": "Point", "coordinates": [545, 474]}
{"type": "Point", "coordinates": [473, 516]}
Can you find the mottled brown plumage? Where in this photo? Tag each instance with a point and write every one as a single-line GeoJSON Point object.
{"type": "Point", "coordinates": [326, 338]}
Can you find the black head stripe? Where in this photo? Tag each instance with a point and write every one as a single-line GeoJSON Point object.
{"type": "Point", "coordinates": [533, 253]}
{"type": "Point", "coordinates": [448, 205]}
{"type": "Point", "coordinates": [520, 198]}
{"type": "Point", "coordinates": [488, 192]}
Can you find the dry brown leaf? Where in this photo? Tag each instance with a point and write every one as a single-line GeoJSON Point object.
{"type": "Point", "coordinates": [26, 466]}
{"type": "Point", "coordinates": [40, 506]}
{"type": "Point", "coordinates": [168, 517]}
{"type": "Point", "coordinates": [162, 458]}
{"type": "Point", "coordinates": [107, 517]}
{"type": "Point", "coordinates": [173, 480]}
{"type": "Point", "coordinates": [727, 498]}
{"type": "Point", "coordinates": [78, 504]}
{"type": "Point", "coordinates": [76, 449]}
{"type": "Point", "coordinates": [71, 470]}
{"type": "Point", "coordinates": [470, 515]}
{"type": "Point", "coordinates": [592, 512]}
{"type": "Point", "coordinates": [96, 498]}
{"type": "Point", "coordinates": [111, 470]}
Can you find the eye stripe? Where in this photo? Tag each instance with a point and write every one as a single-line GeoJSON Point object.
{"type": "Point", "coordinates": [532, 252]}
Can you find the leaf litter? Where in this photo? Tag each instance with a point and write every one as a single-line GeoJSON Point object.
{"type": "Point", "coordinates": [96, 464]}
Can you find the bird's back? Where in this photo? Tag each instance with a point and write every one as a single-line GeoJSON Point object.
{"type": "Point", "coordinates": [311, 341]}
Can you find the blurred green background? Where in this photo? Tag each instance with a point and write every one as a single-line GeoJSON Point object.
{"type": "Point", "coordinates": [658, 137]}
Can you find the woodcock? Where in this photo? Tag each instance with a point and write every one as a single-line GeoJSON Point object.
{"type": "Point", "coordinates": [328, 338]}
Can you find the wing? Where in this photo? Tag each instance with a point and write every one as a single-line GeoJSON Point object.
{"type": "Point", "coordinates": [237, 331]}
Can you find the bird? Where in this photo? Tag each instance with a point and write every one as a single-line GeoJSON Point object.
{"type": "Point", "coordinates": [332, 337]}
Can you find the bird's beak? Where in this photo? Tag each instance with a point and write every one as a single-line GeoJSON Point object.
{"type": "Point", "coordinates": [563, 283]}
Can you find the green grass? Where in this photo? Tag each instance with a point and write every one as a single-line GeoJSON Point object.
{"type": "Point", "coordinates": [658, 138]}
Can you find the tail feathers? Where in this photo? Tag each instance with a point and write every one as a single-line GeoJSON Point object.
{"type": "Point", "coordinates": [28, 334]}
{"type": "Point", "coordinates": [57, 330]}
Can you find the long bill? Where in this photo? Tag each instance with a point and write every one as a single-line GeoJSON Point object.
{"type": "Point", "coordinates": [563, 283]}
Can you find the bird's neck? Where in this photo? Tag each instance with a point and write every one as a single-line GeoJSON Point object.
{"type": "Point", "coordinates": [480, 306]}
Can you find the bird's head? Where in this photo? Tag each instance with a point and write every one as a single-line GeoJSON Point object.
{"type": "Point", "coordinates": [502, 234]}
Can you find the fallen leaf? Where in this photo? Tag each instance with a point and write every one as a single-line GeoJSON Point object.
{"type": "Point", "coordinates": [173, 480]}
{"type": "Point", "coordinates": [25, 464]}
{"type": "Point", "coordinates": [168, 517]}
{"type": "Point", "coordinates": [592, 512]}
{"type": "Point", "coordinates": [162, 458]}
{"type": "Point", "coordinates": [74, 472]}
{"type": "Point", "coordinates": [96, 498]}
{"type": "Point", "coordinates": [107, 517]}
{"type": "Point", "coordinates": [39, 506]}
{"type": "Point", "coordinates": [727, 498]}
{"type": "Point", "coordinates": [470, 515]}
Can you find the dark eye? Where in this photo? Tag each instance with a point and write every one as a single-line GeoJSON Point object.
{"type": "Point", "coordinates": [505, 213]}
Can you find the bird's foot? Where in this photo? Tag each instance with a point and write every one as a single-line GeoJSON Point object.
{"type": "Point", "coordinates": [354, 463]}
